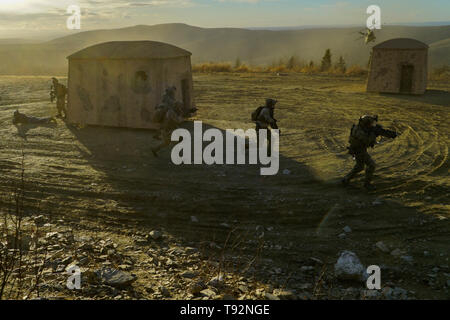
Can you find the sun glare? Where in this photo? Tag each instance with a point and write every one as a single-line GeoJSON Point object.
{"type": "Point", "coordinates": [12, 5]}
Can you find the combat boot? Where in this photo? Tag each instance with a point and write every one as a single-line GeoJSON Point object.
{"type": "Point", "coordinates": [369, 186]}
{"type": "Point", "coordinates": [345, 181]}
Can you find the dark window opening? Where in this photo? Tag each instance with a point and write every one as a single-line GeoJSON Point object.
{"type": "Point", "coordinates": [141, 75]}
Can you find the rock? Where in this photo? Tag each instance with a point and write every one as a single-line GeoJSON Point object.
{"type": "Point", "coordinates": [141, 241]}
{"type": "Point", "coordinates": [270, 296]}
{"type": "Point", "coordinates": [408, 259]}
{"type": "Point", "coordinates": [155, 235]}
{"type": "Point", "coordinates": [165, 292]}
{"type": "Point", "coordinates": [371, 294]}
{"type": "Point", "coordinates": [194, 219]}
{"type": "Point", "coordinates": [382, 247]}
{"type": "Point", "coordinates": [243, 289]}
{"type": "Point", "coordinates": [347, 229]}
{"type": "Point", "coordinates": [39, 220]}
{"type": "Point", "coordinates": [207, 293]}
{"type": "Point", "coordinates": [216, 281]}
{"type": "Point", "coordinates": [387, 292]}
{"type": "Point", "coordinates": [377, 202]}
{"type": "Point", "coordinates": [342, 235]}
{"type": "Point", "coordinates": [53, 235]}
{"type": "Point", "coordinates": [286, 171]}
{"type": "Point", "coordinates": [396, 252]}
{"type": "Point", "coordinates": [306, 268]}
{"type": "Point", "coordinates": [284, 294]}
{"type": "Point", "coordinates": [226, 297]}
{"type": "Point", "coordinates": [400, 293]}
{"type": "Point", "coordinates": [189, 274]}
{"type": "Point", "coordinates": [190, 250]}
{"type": "Point", "coordinates": [348, 267]}
{"type": "Point", "coordinates": [448, 283]}
{"type": "Point", "coordinates": [115, 278]}
{"type": "Point", "coordinates": [196, 287]}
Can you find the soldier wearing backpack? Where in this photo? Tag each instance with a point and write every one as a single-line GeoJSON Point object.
{"type": "Point", "coordinates": [263, 117]}
{"type": "Point", "coordinates": [59, 91]}
{"type": "Point", "coordinates": [169, 114]}
{"type": "Point", "coordinates": [362, 136]}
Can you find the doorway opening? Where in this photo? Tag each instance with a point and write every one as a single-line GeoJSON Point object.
{"type": "Point", "coordinates": [406, 79]}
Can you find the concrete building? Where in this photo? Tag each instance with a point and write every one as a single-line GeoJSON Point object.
{"type": "Point", "coordinates": [120, 83]}
{"type": "Point", "coordinates": [399, 66]}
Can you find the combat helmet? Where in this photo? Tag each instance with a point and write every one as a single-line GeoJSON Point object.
{"type": "Point", "coordinates": [366, 120]}
{"type": "Point", "coordinates": [271, 102]}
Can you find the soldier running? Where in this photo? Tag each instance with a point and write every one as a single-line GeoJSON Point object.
{"type": "Point", "coordinates": [362, 136]}
{"type": "Point", "coordinates": [169, 114]}
{"type": "Point", "coordinates": [59, 91]}
{"type": "Point", "coordinates": [264, 117]}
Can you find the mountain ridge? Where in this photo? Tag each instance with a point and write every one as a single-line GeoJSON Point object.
{"type": "Point", "coordinates": [256, 47]}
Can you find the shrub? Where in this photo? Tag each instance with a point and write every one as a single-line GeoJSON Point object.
{"type": "Point", "coordinates": [326, 61]}
{"type": "Point", "coordinates": [356, 70]}
{"type": "Point", "coordinates": [212, 67]}
{"type": "Point", "coordinates": [441, 73]}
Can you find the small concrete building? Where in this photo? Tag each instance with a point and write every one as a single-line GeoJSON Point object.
{"type": "Point", "coordinates": [120, 83]}
{"type": "Point", "coordinates": [399, 66]}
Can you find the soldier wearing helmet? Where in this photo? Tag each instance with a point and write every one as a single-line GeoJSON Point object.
{"type": "Point", "coordinates": [264, 118]}
{"type": "Point", "coordinates": [362, 136]}
{"type": "Point", "coordinates": [59, 91]}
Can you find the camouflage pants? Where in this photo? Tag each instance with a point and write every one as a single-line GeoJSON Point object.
{"type": "Point", "coordinates": [269, 139]}
{"type": "Point", "coordinates": [165, 140]}
{"type": "Point", "coordinates": [61, 106]}
{"type": "Point", "coordinates": [363, 159]}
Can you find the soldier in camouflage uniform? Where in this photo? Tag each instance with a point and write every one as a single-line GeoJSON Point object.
{"type": "Point", "coordinates": [362, 136]}
{"type": "Point", "coordinates": [169, 114]}
{"type": "Point", "coordinates": [264, 117]}
{"type": "Point", "coordinates": [59, 91]}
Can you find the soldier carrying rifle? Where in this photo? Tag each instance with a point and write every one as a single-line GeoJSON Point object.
{"type": "Point", "coordinates": [362, 136]}
{"type": "Point", "coordinates": [59, 91]}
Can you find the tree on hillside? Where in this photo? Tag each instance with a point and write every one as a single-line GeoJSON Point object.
{"type": "Point", "coordinates": [292, 63]}
{"type": "Point", "coordinates": [340, 65]}
{"type": "Point", "coordinates": [326, 61]}
{"type": "Point", "coordinates": [238, 63]}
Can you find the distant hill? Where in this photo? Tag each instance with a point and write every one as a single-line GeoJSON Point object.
{"type": "Point", "coordinates": [257, 47]}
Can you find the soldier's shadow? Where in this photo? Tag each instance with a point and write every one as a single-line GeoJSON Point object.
{"type": "Point", "coordinates": [22, 129]}
{"type": "Point", "coordinates": [180, 191]}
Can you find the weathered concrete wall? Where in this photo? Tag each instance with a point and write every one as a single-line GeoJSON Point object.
{"type": "Point", "coordinates": [123, 93]}
{"type": "Point", "coordinates": [385, 70]}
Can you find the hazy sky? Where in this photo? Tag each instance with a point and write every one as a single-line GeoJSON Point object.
{"type": "Point", "coordinates": [34, 18]}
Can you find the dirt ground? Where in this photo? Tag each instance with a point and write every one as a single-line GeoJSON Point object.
{"type": "Point", "coordinates": [98, 179]}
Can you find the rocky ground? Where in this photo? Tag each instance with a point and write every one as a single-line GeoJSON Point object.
{"type": "Point", "coordinates": [140, 227]}
{"type": "Point", "coordinates": [154, 265]}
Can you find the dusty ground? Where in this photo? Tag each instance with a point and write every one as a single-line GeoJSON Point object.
{"type": "Point", "coordinates": [104, 182]}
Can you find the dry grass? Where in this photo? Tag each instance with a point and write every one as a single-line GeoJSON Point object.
{"type": "Point", "coordinates": [356, 70]}
{"type": "Point", "coordinates": [280, 67]}
{"type": "Point", "coordinates": [441, 73]}
{"type": "Point", "coordinates": [212, 67]}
